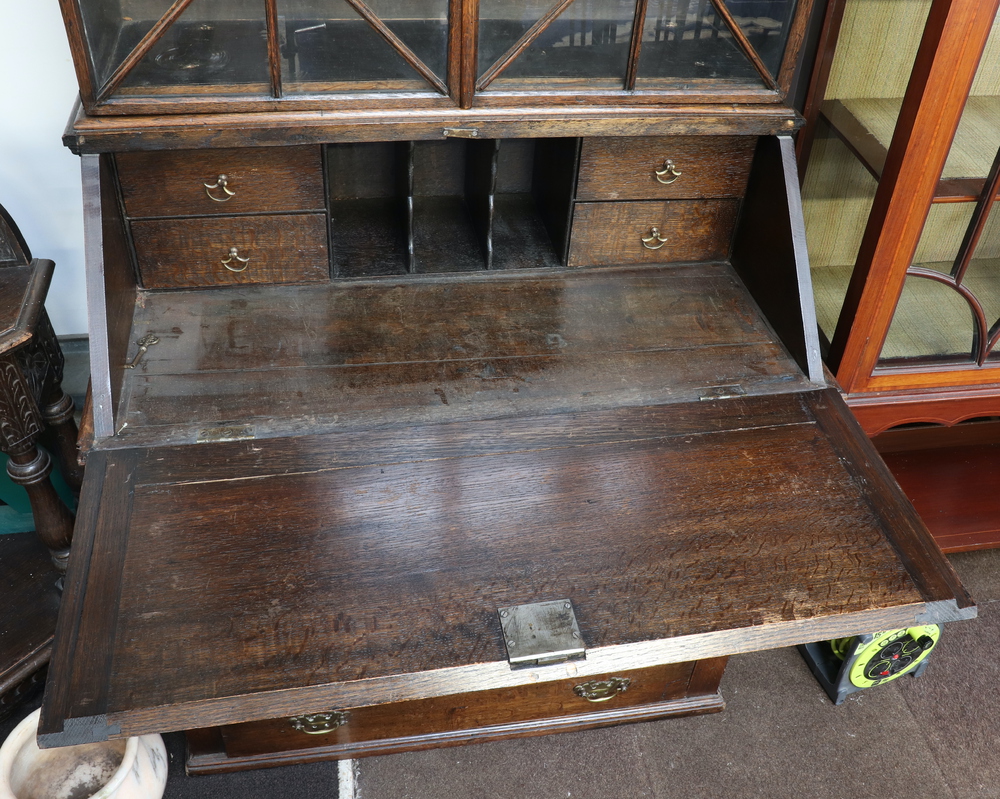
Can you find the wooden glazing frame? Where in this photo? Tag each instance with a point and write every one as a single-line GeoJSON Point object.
{"type": "Point", "coordinates": [460, 84]}
{"type": "Point", "coordinates": [908, 172]}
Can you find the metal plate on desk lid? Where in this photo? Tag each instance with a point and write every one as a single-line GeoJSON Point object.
{"type": "Point", "coordinates": [541, 633]}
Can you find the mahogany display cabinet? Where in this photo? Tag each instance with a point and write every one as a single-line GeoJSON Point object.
{"type": "Point", "coordinates": [902, 156]}
{"type": "Point", "coordinates": [475, 400]}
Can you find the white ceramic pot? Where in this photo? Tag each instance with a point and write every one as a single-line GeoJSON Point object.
{"type": "Point", "coordinates": [135, 768]}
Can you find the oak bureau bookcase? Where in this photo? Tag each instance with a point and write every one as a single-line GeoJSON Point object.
{"type": "Point", "coordinates": [455, 377]}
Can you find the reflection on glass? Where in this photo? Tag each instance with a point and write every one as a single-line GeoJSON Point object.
{"type": "Point", "coordinates": [765, 25]}
{"type": "Point", "coordinates": [113, 28]}
{"type": "Point", "coordinates": [329, 45]}
{"type": "Point", "coordinates": [588, 40]}
{"type": "Point", "coordinates": [688, 39]}
{"type": "Point", "coordinates": [214, 43]}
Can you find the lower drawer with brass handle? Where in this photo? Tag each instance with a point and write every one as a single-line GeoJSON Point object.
{"type": "Point", "coordinates": [480, 711]}
{"type": "Point", "coordinates": [214, 251]}
{"type": "Point", "coordinates": [651, 231]}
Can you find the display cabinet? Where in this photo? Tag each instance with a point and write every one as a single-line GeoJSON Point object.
{"type": "Point", "coordinates": [418, 424]}
{"type": "Point", "coordinates": [899, 197]}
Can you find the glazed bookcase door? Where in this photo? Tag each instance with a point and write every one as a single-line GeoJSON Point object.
{"type": "Point", "coordinates": [134, 56]}
{"type": "Point", "coordinates": [948, 314]}
{"type": "Point", "coordinates": [877, 46]}
{"type": "Point", "coordinates": [897, 196]}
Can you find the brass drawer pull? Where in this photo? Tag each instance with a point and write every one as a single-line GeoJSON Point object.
{"type": "Point", "coordinates": [602, 690]}
{"type": "Point", "coordinates": [234, 254]}
{"type": "Point", "coordinates": [319, 723]}
{"type": "Point", "coordinates": [668, 169]}
{"type": "Point", "coordinates": [221, 183]}
{"type": "Point", "coordinates": [144, 344]}
{"type": "Point", "coordinates": [654, 236]}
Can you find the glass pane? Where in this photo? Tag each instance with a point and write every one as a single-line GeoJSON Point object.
{"type": "Point", "coordinates": [872, 63]}
{"type": "Point", "coordinates": [765, 24]}
{"type": "Point", "coordinates": [927, 326]}
{"type": "Point", "coordinates": [836, 201]}
{"type": "Point", "coordinates": [589, 40]}
{"type": "Point", "coordinates": [217, 45]}
{"type": "Point", "coordinates": [112, 29]}
{"type": "Point", "coordinates": [682, 39]}
{"type": "Point", "coordinates": [329, 46]}
{"type": "Point", "coordinates": [930, 322]}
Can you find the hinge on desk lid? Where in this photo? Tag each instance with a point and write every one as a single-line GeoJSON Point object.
{"type": "Point", "coordinates": [226, 433]}
{"type": "Point", "coordinates": [541, 633]}
{"type": "Point", "coordinates": [721, 392]}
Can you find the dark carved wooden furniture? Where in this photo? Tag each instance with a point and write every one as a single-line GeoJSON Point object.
{"type": "Point", "coordinates": [903, 155]}
{"type": "Point", "coordinates": [32, 401]}
{"type": "Point", "coordinates": [441, 406]}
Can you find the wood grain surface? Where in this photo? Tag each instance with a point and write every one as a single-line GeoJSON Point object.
{"type": "Point", "coordinates": [256, 579]}
{"type": "Point", "coordinates": [341, 356]}
{"type": "Point", "coordinates": [189, 253]}
{"type": "Point", "coordinates": [618, 168]}
{"type": "Point", "coordinates": [462, 712]}
{"type": "Point", "coordinates": [264, 180]}
{"type": "Point", "coordinates": [607, 233]}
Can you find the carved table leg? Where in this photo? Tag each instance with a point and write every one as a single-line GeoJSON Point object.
{"type": "Point", "coordinates": [30, 468]}
{"type": "Point", "coordinates": [43, 362]}
{"type": "Point", "coordinates": [21, 375]}
{"type": "Point", "coordinates": [57, 410]}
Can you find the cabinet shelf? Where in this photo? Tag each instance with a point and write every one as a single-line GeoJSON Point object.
{"type": "Point", "coordinates": [866, 127]}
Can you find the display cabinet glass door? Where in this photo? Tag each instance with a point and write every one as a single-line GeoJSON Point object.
{"type": "Point", "coordinates": [904, 248]}
{"type": "Point", "coordinates": [157, 50]}
{"type": "Point", "coordinates": [949, 311]}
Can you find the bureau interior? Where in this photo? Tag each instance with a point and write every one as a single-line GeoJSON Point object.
{"type": "Point", "coordinates": [449, 206]}
{"type": "Point", "coordinates": [422, 282]}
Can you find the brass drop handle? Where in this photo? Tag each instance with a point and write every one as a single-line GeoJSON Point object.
{"type": "Point", "coordinates": [668, 168]}
{"type": "Point", "coordinates": [221, 182]}
{"type": "Point", "coordinates": [144, 344]}
{"type": "Point", "coordinates": [602, 690]}
{"type": "Point", "coordinates": [234, 255]}
{"type": "Point", "coordinates": [320, 723]}
{"type": "Point", "coordinates": [654, 240]}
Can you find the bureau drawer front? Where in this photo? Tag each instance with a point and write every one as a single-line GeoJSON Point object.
{"type": "Point", "coordinates": [257, 180]}
{"type": "Point", "coordinates": [187, 253]}
{"type": "Point", "coordinates": [478, 710]}
{"type": "Point", "coordinates": [606, 234]}
{"type": "Point", "coordinates": [638, 169]}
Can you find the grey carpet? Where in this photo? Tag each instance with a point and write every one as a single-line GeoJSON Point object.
{"type": "Point", "coordinates": [780, 737]}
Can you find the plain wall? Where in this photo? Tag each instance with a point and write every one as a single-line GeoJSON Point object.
{"type": "Point", "coordinates": [39, 178]}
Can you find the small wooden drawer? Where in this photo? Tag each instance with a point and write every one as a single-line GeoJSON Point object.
{"type": "Point", "coordinates": [197, 182]}
{"type": "Point", "coordinates": [471, 711]}
{"type": "Point", "coordinates": [188, 253]}
{"type": "Point", "coordinates": [655, 167]}
{"type": "Point", "coordinates": [605, 234]}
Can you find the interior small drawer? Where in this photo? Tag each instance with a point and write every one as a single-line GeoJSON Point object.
{"type": "Point", "coordinates": [198, 182]}
{"type": "Point", "coordinates": [605, 234]}
{"type": "Point", "coordinates": [468, 711]}
{"type": "Point", "coordinates": [219, 251]}
{"type": "Point", "coordinates": [668, 167]}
